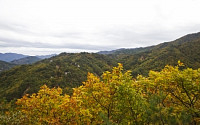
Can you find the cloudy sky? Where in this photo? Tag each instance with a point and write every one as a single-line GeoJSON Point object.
{"type": "Point", "coordinates": [39, 27]}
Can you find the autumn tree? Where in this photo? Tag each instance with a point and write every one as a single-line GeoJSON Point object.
{"type": "Point", "coordinates": [49, 106]}
{"type": "Point", "coordinates": [113, 97]}
{"type": "Point", "coordinates": [170, 96]}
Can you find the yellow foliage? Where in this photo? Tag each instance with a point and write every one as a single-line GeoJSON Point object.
{"type": "Point", "coordinates": [165, 97]}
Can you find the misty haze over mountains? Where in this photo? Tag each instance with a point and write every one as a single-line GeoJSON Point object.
{"type": "Point", "coordinates": [9, 57]}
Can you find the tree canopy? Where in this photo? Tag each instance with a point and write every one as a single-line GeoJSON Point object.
{"type": "Point", "coordinates": [170, 96]}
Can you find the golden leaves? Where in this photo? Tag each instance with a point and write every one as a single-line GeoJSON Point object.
{"type": "Point", "coordinates": [171, 95]}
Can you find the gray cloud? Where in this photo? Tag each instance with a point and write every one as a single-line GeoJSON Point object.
{"type": "Point", "coordinates": [6, 42]}
{"type": "Point", "coordinates": [71, 25]}
{"type": "Point", "coordinates": [118, 37]}
{"type": "Point", "coordinates": [76, 35]}
{"type": "Point", "coordinates": [14, 27]}
{"type": "Point", "coordinates": [132, 37]}
{"type": "Point", "coordinates": [126, 37]}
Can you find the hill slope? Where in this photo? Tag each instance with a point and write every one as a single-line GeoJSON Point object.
{"type": "Point", "coordinates": [26, 60]}
{"type": "Point", "coordinates": [64, 70]}
{"type": "Point", "coordinates": [5, 66]}
{"type": "Point", "coordinates": [186, 49]}
{"type": "Point", "coordinates": [124, 51]}
{"type": "Point", "coordinates": [69, 70]}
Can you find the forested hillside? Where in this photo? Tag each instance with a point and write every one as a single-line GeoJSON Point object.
{"type": "Point", "coordinates": [186, 49]}
{"type": "Point", "coordinates": [168, 97]}
{"type": "Point", "coordinates": [5, 65]}
{"type": "Point", "coordinates": [70, 69]}
{"type": "Point", "coordinates": [64, 70]}
{"type": "Point", "coordinates": [26, 60]}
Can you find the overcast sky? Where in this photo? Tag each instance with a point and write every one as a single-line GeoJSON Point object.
{"type": "Point", "coordinates": [39, 27]}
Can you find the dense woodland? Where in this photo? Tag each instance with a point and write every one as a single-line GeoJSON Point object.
{"type": "Point", "coordinates": [150, 88]}
{"type": "Point", "coordinates": [65, 70]}
{"type": "Point", "coordinates": [26, 60]}
{"type": "Point", "coordinates": [5, 66]}
{"type": "Point", "coordinates": [9, 60]}
{"type": "Point", "coordinates": [170, 96]}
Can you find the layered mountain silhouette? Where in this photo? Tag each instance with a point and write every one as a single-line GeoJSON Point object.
{"type": "Point", "coordinates": [8, 57]}
{"type": "Point", "coordinates": [9, 60]}
{"type": "Point", "coordinates": [69, 70]}
{"type": "Point", "coordinates": [26, 60]}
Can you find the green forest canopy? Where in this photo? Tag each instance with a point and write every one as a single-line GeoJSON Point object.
{"type": "Point", "coordinates": [170, 96]}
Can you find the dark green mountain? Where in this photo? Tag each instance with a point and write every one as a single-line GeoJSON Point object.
{"type": "Point", "coordinates": [64, 70]}
{"type": "Point", "coordinates": [26, 60]}
{"type": "Point", "coordinates": [5, 66]}
{"type": "Point", "coordinates": [185, 49]}
{"type": "Point", "coordinates": [124, 51]}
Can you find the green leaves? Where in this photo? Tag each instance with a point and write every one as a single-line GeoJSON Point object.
{"type": "Point", "coordinates": [170, 96]}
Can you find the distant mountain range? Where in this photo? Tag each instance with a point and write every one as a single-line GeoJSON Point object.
{"type": "Point", "coordinates": [26, 60]}
{"type": "Point", "coordinates": [8, 57]}
{"type": "Point", "coordinates": [46, 56]}
{"type": "Point", "coordinates": [30, 59]}
{"type": "Point", "coordinates": [69, 70]}
{"type": "Point", "coordinates": [9, 60]}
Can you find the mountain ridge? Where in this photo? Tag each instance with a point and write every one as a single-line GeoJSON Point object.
{"type": "Point", "coordinates": [65, 70]}
{"type": "Point", "coordinates": [26, 60]}
{"type": "Point", "coordinates": [9, 60]}
{"type": "Point", "coordinates": [5, 66]}
{"type": "Point", "coordinates": [8, 57]}
{"type": "Point", "coordinates": [70, 69]}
